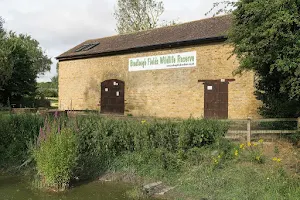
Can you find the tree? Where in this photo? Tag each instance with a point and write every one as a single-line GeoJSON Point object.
{"type": "Point", "coordinates": [21, 60]}
{"type": "Point", "coordinates": [266, 39]}
{"type": "Point", "coordinates": [223, 7]}
{"type": "Point", "coordinates": [1, 24]}
{"type": "Point", "coordinates": [138, 15]}
{"type": "Point", "coordinates": [54, 81]}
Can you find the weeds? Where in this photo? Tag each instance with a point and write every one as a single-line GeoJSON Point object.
{"type": "Point", "coordinates": [55, 154]}
{"type": "Point", "coordinates": [190, 154]}
{"type": "Point", "coordinates": [16, 132]}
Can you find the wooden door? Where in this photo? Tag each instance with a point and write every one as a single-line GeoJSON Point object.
{"type": "Point", "coordinates": [216, 99]}
{"type": "Point", "coordinates": [112, 96]}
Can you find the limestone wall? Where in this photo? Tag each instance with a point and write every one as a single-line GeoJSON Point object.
{"type": "Point", "coordinates": [161, 93]}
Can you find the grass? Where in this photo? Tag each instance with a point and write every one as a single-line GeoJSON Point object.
{"type": "Point", "coordinates": [238, 181]}
{"type": "Point", "coordinates": [189, 155]}
{"type": "Point", "coordinates": [236, 177]}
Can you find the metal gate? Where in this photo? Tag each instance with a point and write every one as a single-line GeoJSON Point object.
{"type": "Point", "coordinates": [112, 96]}
{"type": "Point", "coordinates": [216, 99]}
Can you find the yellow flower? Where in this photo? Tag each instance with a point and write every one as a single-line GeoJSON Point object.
{"type": "Point", "coordinates": [236, 153]}
{"type": "Point", "coordinates": [215, 160]}
{"type": "Point", "coordinates": [249, 144]}
{"type": "Point", "coordinates": [276, 159]}
{"type": "Point", "coordinates": [242, 146]}
{"type": "Point", "coordinates": [257, 157]}
{"type": "Point", "coordinates": [254, 144]}
{"type": "Point", "coordinates": [261, 141]}
{"type": "Point", "coordinates": [143, 121]}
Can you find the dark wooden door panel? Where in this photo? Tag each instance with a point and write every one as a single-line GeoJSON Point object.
{"type": "Point", "coordinates": [216, 99]}
{"type": "Point", "coordinates": [112, 96]}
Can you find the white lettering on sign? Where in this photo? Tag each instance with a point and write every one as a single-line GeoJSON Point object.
{"type": "Point", "coordinates": [169, 61]}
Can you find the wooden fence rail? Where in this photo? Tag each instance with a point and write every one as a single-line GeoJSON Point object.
{"type": "Point", "coordinates": [249, 132]}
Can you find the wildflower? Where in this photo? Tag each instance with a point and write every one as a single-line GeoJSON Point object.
{"type": "Point", "coordinates": [42, 133]}
{"type": "Point", "coordinates": [143, 121]}
{"type": "Point", "coordinates": [260, 141]}
{"type": "Point", "coordinates": [56, 114]}
{"type": "Point", "coordinates": [249, 144]}
{"type": "Point", "coordinates": [242, 146]}
{"type": "Point", "coordinates": [216, 161]}
{"type": "Point", "coordinates": [41, 136]}
{"type": "Point", "coordinates": [276, 159]}
{"type": "Point", "coordinates": [257, 158]}
{"type": "Point", "coordinates": [236, 153]}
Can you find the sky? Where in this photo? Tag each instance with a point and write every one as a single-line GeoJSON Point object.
{"type": "Point", "coordinates": [62, 24]}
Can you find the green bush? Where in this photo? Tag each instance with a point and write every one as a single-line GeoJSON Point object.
{"type": "Point", "coordinates": [16, 132]}
{"type": "Point", "coordinates": [118, 136]}
{"type": "Point", "coordinates": [56, 155]}
{"type": "Point", "coordinates": [103, 140]}
{"type": "Point", "coordinates": [89, 145]}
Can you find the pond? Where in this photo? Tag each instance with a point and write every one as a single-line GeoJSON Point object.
{"type": "Point", "coordinates": [16, 188]}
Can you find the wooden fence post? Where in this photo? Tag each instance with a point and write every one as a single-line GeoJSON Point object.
{"type": "Point", "coordinates": [298, 123]}
{"type": "Point", "coordinates": [249, 130]}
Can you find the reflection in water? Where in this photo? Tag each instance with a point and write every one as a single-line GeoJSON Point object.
{"type": "Point", "coordinates": [14, 188]}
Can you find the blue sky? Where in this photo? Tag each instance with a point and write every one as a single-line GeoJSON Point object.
{"type": "Point", "coordinates": [61, 24]}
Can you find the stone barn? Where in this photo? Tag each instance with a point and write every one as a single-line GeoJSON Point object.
{"type": "Point", "coordinates": [181, 71]}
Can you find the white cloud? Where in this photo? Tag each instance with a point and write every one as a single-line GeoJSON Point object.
{"type": "Point", "coordinates": [59, 25]}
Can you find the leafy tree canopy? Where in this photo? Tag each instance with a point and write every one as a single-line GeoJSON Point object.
{"type": "Point", "coordinates": [266, 39]}
{"type": "Point", "coordinates": [21, 60]}
{"type": "Point", "coordinates": [1, 24]}
{"type": "Point", "coordinates": [139, 15]}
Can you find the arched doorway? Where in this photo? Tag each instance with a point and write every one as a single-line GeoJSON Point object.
{"type": "Point", "coordinates": [112, 96]}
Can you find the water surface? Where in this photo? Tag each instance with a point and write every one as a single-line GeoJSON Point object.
{"type": "Point", "coordinates": [16, 188]}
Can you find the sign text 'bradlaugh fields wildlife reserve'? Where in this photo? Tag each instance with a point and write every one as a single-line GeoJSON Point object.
{"type": "Point", "coordinates": [169, 61]}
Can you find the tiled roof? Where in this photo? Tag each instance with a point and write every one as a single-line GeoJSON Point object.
{"type": "Point", "coordinates": [205, 29]}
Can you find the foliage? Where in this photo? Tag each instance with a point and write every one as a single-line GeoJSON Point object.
{"type": "Point", "coordinates": [266, 38]}
{"type": "Point", "coordinates": [250, 152]}
{"type": "Point", "coordinates": [54, 81]}
{"type": "Point", "coordinates": [222, 7]}
{"type": "Point", "coordinates": [215, 172]}
{"type": "Point", "coordinates": [16, 131]}
{"type": "Point", "coordinates": [160, 149]}
{"type": "Point", "coordinates": [21, 60]}
{"type": "Point", "coordinates": [100, 141]}
{"type": "Point", "coordinates": [56, 155]}
{"type": "Point", "coordinates": [139, 15]}
{"type": "Point", "coordinates": [293, 138]}
{"type": "Point", "coordinates": [47, 89]}
{"type": "Point", "coordinates": [1, 24]}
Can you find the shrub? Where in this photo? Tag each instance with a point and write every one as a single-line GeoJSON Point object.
{"type": "Point", "coordinates": [198, 133]}
{"type": "Point", "coordinates": [56, 154]}
{"type": "Point", "coordinates": [16, 131]}
{"type": "Point", "coordinates": [86, 146]}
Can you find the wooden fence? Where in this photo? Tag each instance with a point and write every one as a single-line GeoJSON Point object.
{"type": "Point", "coordinates": [250, 131]}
